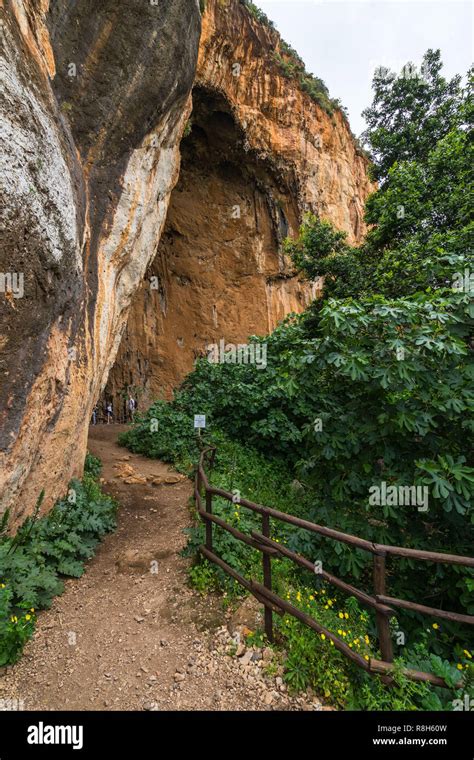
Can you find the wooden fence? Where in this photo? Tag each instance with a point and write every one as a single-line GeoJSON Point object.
{"type": "Point", "coordinates": [382, 603]}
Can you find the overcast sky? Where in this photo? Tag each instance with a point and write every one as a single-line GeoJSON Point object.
{"type": "Point", "coordinates": [342, 42]}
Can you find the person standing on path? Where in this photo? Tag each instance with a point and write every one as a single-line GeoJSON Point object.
{"type": "Point", "coordinates": [110, 413]}
{"type": "Point", "coordinates": [132, 405]}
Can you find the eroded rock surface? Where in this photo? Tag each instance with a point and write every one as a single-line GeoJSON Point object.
{"type": "Point", "coordinates": [96, 99]}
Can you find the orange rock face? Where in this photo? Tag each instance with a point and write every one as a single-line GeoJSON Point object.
{"type": "Point", "coordinates": [259, 153]}
{"type": "Point", "coordinates": [96, 239]}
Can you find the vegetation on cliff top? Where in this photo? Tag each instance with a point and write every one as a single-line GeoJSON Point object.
{"type": "Point", "coordinates": [292, 66]}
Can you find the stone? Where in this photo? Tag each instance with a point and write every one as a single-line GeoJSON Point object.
{"type": "Point", "coordinates": [134, 560]}
{"type": "Point", "coordinates": [167, 480]}
{"type": "Point", "coordinates": [268, 654]}
{"type": "Point", "coordinates": [247, 657]}
{"type": "Point", "coordinates": [123, 470]}
{"type": "Point", "coordinates": [136, 480]}
{"type": "Point", "coordinates": [248, 614]}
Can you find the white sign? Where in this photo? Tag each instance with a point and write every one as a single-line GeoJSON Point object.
{"type": "Point", "coordinates": [199, 420]}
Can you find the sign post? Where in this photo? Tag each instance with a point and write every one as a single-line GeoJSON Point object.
{"type": "Point", "coordinates": [199, 423]}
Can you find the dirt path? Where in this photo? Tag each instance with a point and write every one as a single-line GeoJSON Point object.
{"type": "Point", "coordinates": [130, 634]}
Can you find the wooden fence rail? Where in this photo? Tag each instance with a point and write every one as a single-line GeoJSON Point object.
{"type": "Point", "coordinates": [381, 602]}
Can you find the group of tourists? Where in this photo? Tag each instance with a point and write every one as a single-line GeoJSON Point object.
{"type": "Point", "coordinates": [106, 415]}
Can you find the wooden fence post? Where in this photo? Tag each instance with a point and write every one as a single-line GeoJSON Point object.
{"type": "Point", "coordinates": [382, 620]}
{"type": "Point", "coordinates": [267, 577]}
{"type": "Point", "coordinates": [208, 522]}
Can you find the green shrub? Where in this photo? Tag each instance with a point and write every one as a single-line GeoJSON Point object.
{"type": "Point", "coordinates": [313, 660]}
{"type": "Point", "coordinates": [165, 432]}
{"type": "Point", "coordinates": [17, 624]}
{"type": "Point", "coordinates": [292, 66]}
{"type": "Point", "coordinates": [92, 466]}
{"type": "Point", "coordinates": [202, 577]}
{"type": "Point", "coordinates": [257, 13]}
{"type": "Point", "coordinates": [46, 549]}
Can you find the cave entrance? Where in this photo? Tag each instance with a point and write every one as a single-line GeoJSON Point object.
{"type": "Point", "coordinates": [219, 271]}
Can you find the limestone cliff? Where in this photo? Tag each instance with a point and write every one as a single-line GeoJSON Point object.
{"type": "Point", "coordinates": [259, 152]}
{"type": "Point", "coordinates": [96, 101]}
{"type": "Point", "coordinates": [96, 96]}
